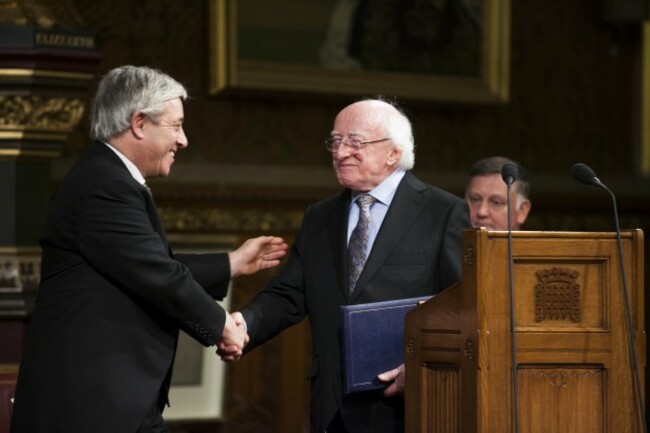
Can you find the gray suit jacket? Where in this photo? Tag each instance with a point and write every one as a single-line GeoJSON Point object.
{"type": "Point", "coordinates": [417, 252]}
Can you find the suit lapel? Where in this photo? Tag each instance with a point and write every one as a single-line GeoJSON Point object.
{"type": "Point", "coordinates": [154, 217]}
{"type": "Point", "coordinates": [337, 222]}
{"type": "Point", "coordinates": [404, 209]}
{"type": "Point", "coordinates": [101, 149]}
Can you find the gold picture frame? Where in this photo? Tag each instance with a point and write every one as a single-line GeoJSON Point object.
{"type": "Point", "coordinates": [233, 71]}
{"type": "Point", "coordinates": [645, 102]}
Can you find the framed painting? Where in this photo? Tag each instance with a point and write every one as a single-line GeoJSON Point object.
{"type": "Point", "coordinates": [197, 387]}
{"type": "Point", "coordinates": [444, 50]}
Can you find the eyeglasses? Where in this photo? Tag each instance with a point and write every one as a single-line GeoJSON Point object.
{"type": "Point", "coordinates": [333, 143]}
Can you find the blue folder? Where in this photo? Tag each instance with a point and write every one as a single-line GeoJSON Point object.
{"type": "Point", "coordinates": [373, 341]}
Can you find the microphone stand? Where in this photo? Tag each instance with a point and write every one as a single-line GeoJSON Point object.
{"type": "Point", "coordinates": [515, 368]}
{"type": "Point", "coordinates": [628, 311]}
{"type": "Point", "coordinates": [586, 175]}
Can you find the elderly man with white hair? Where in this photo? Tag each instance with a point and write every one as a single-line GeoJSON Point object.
{"type": "Point", "coordinates": [385, 236]}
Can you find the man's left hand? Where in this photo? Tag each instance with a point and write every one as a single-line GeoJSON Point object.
{"type": "Point", "coordinates": [256, 254]}
{"type": "Point", "coordinates": [397, 376]}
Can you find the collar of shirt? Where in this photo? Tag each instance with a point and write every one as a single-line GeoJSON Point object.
{"type": "Point", "coordinates": [385, 191]}
{"type": "Point", "coordinates": [129, 165]}
{"type": "Point", "coordinates": [383, 194]}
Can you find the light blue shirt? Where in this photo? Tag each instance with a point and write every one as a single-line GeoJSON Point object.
{"type": "Point", "coordinates": [383, 194]}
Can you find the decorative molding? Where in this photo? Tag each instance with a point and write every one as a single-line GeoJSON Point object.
{"type": "Point", "coordinates": [47, 61]}
{"type": "Point", "coordinates": [42, 13]}
{"type": "Point", "coordinates": [82, 77]}
{"type": "Point", "coordinates": [560, 378]}
{"type": "Point", "coordinates": [33, 112]}
{"type": "Point", "coordinates": [33, 125]}
{"type": "Point", "coordinates": [224, 219]}
{"type": "Point", "coordinates": [444, 384]}
{"type": "Point", "coordinates": [14, 153]}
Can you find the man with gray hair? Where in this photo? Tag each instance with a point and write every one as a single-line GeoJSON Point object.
{"type": "Point", "coordinates": [112, 295]}
{"type": "Point", "coordinates": [410, 247]}
{"type": "Point", "coordinates": [487, 195]}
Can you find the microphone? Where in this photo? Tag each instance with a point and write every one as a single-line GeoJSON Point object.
{"type": "Point", "coordinates": [583, 173]}
{"type": "Point", "coordinates": [509, 174]}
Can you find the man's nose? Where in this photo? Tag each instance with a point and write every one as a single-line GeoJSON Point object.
{"type": "Point", "coordinates": [182, 139]}
{"type": "Point", "coordinates": [342, 151]}
{"type": "Point", "coordinates": [483, 208]}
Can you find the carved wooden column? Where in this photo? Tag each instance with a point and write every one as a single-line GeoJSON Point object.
{"type": "Point", "coordinates": [47, 62]}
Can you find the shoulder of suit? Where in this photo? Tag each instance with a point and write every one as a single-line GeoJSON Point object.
{"type": "Point", "coordinates": [98, 169]}
{"type": "Point", "coordinates": [99, 161]}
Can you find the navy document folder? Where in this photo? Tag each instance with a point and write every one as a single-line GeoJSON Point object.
{"type": "Point", "coordinates": [373, 336]}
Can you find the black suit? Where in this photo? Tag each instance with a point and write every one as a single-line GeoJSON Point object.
{"type": "Point", "coordinates": [417, 252]}
{"type": "Point", "coordinates": [112, 298]}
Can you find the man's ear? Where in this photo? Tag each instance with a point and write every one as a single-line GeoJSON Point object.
{"type": "Point", "coordinates": [522, 211]}
{"type": "Point", "coordinates": [138, 121]}
{"type": "Point", "coordinates": [393, 156]}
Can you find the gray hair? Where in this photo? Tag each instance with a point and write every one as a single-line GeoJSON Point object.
{"type": "Point", "coordinates": [125, 91]}
{"type": "Point", "coordinates": [494, 164]}
{"type": "Point", "coordinates": [398, 127]}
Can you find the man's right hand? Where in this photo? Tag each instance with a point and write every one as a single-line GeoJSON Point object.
{"type": "Point", "coordinates": [234, 338]}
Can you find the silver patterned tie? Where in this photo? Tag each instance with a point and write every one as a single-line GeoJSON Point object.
{"type": "Point", "coordinates": [359, 239]}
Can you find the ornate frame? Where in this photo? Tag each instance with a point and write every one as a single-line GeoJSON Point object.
{"type": "Point", "coordinates": [645, 101]}
{"type": "Point", "coordinates": [231, 74]}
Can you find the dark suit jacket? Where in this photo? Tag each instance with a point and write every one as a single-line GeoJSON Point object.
{"type": "Point", "coordinates": [111, 301]}
{"type": "Point", "coordinates": [417, 252]}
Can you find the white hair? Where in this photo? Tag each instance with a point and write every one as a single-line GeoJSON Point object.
{"type": "Point", "coordinates": [398, 128]}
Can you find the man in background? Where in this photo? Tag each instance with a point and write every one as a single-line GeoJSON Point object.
{"type": "Point", "coordinates": [113, 295]}
{"type": "Point", "coordinates": [487, 195]}
{"type": "Point", "coordinates": [385, 236]}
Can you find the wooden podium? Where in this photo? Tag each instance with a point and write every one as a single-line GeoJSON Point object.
{"type": "Point", "coordinates": [572, 338]}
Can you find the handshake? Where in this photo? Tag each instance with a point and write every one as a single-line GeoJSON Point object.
{"type": "Point", "coordinates": [263, 252]}
{"type": "Point", "coordinates": [233, 339]}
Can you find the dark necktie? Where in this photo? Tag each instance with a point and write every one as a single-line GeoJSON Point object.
{"type": "Point", "coordinates": [357, 249]}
